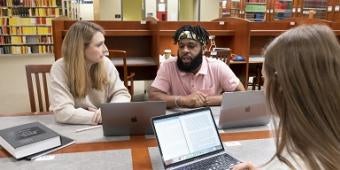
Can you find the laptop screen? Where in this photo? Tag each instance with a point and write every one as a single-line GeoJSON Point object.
{"type": "Point", "coordinates": [186, 135]}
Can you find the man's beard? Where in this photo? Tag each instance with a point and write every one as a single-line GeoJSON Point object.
{"type": "Point", "coordinates": [189, 68]}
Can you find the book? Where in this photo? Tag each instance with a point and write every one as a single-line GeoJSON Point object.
{"type": "Point", "coordinates": [27, 139]}
{"type": "Point", "coordinates": [65, 141]}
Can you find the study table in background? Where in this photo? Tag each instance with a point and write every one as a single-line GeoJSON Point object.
{"type": "Point", "coordinates": [94, 151]}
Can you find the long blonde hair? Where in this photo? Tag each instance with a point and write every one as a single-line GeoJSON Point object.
{"type": "Point", "coordinates": [73, 50]}
{"type": "Point", "coordinates": [302, 67]}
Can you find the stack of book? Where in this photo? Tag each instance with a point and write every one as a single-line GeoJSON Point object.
{"type": "Point", "coordinates": [32, 140]}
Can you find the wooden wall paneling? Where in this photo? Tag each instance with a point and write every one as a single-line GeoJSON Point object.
{"type": "Point", "coordinates": [336, 11]}
{"type": "Point", "coordinates": [241, 44]}
{"type": "Point", "coordinates": [330, 10]}
{"type": "Point", "coordinates": [57, 27]}
{"type": "Point", "coordinates": [133, 36]}
{"type": "Point", "coordinates": [263, 33]}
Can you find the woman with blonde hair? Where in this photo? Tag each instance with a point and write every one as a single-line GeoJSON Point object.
{"type": "Point", "coordinates": [302, 78]}
{"type": "Point", "coordinates": [84, 77]}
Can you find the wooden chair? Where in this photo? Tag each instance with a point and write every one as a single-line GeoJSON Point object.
{"type": "Point", "coordinates": [127, 77]}
{"type": "Point", "coordinates": [256, 77]}
{"type": "Point", "coordinates": [37, 87]}
{"type": "Point", "coordinates": [223, 54]}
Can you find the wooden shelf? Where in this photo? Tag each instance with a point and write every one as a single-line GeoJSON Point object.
{"type": "Point", "coordinates": [145, 42]}
{"type": "Point", "coordinates": [25, 20]}
{"type": "Point", "coordinates": [266, 32]}
{"type": "Point", "coordinates": [212, 32]}
{"type": "Point", "coordinates": [21, 6]}
{"type": "Point", "coordinates": [37, 35]}
{"type": "Point", "coordinates": [135, 61]}
{"type": "Point", "coordinates": [26, 44]}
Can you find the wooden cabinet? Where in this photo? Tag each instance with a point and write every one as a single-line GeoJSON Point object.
{"type": "Point", "coordinates": [145, 42]}
{"type": "Point", "coordinates": [132, 36]}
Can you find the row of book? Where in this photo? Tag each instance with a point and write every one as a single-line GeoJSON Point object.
{"type": "Point", "coordinates": [257, 1]}
{"type": "Point", "coordinates": [32, 140]}
{"type": "Point", "coordinates": [17, 21]}
{"type": "Point", "coordinates": [255, 8]}
{"type": "Point", "coordinates": [29, 39]}
{"type": "Point", "coordinates": [283, 5]}
{"type": "Point", "coordinates": [30, 12]}
{"type": "Point", "coordinates": [26, 49]}
{"type": "Point", "coordinates": [283, 15]}
{"type": "Point", "coordinates": [255, 16]}
{"type": "Point", "coordinates": [31, 3]}
{"type": "Point", "coordinates": [26, 30]}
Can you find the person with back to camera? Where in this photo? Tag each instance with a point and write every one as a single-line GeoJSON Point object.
{"type": "Point", "coordinates": [301, 80]}
{"type": "Point", "coordinates": [84, 78]}
{"type": "Point", "coordinates": [191, 79]}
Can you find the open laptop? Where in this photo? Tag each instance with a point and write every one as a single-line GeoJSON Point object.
{"type": "Point", "coordinates": [190, 140]}
{"type": "Point", "coordinates": [133, 118]}
{"type": "Point", "coordinates": [242, 109]}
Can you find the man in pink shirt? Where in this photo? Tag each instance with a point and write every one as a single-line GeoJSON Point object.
{"type": "Point", "coordinates": [191, 79]}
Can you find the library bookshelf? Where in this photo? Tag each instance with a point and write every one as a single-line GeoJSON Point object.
{"type": "Point", "coordinates": [26, 26]}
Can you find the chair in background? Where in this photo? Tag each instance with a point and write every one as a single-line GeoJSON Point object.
{"type": "Point", "coordinates": [37, 87]}
{"type": "Point", "coordinates": [255, 76]}
{"type": "Point", "coordinates": [223, 54]}
{"type": "Point", "coordinates": [128, 78]}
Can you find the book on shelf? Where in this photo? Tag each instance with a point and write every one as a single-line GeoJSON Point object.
{"type": "Point", "coordinates": [65, 141]}
{"type": "Point", "coordinates": [28, 139]}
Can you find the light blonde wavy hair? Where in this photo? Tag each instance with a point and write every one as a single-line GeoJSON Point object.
{"type": "Point", "coordinates": [81, 79]}
{"type": "Point", "coordinates": [302, 68]}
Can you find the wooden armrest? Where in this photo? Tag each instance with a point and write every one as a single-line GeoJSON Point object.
{"type": "Point", "coordinates": [131, 76]}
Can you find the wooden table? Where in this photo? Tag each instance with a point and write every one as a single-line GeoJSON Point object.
{"type": "Point", "coordinates": [138, 144]}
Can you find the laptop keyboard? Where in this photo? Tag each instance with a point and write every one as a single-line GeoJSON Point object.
{"type": "Point", "coordinates": [215, 163]}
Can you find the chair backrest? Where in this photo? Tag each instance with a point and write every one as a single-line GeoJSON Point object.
{"type": "Point", "coordinates": [121, 54]}
{"type": "Point", "coordinates": [37, 86]}
{"type": "Point", "coordinates": [223, 54]}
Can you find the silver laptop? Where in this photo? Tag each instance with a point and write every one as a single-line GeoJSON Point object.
{"type": "Point", "coordinates": [190, 140]}
{"type": "Point", "coordinates": [243, 108]}
{"type": "Point", "coordinates": [133, 118]}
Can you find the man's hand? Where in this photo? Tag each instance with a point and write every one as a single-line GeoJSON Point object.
{"type": "Point", "coordinates": [195, 99]}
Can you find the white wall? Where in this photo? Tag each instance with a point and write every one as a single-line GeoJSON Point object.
{"type": "Point", "coordinates": [109, 8]}
{"type": "Point", "coordinates": [209, 10]}
{"type": "Point", "coordinates": [86, 11]}
{"type": "Point", "coordinates": [172, 10]}
{"type": "Point", "coordinates": [150, 7]}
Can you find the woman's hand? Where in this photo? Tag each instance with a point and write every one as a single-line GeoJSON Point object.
{"type": "Point", "coordinates": [97, 118]}
{"type": "Point", "coordinates": [245, 166]}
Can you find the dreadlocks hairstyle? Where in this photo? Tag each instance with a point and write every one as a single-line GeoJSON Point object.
{"type": "Point", "coordinates": [197, 33]}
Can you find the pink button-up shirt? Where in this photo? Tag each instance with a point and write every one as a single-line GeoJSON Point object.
{"type": "Point", "coordinates": [213, 78]}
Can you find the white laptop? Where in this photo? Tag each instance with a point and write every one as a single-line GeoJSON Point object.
{"type": "Point", "coordinates": [190, 140]}
{"type": "Point", "coordinates": [243, 109]}
{"type": "Point", "coordinates": [132, 118]}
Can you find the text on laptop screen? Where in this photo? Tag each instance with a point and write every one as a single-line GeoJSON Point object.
{"type": "Point", "coordinates": [186, 136]}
